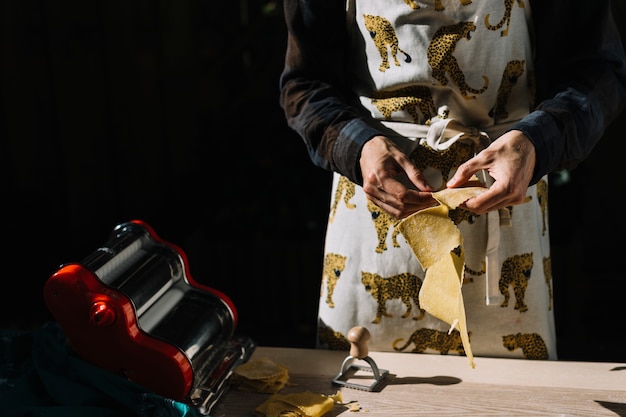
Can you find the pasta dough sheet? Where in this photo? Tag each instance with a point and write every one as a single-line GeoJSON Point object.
{"type": "Point", "coordinates": [438, 246]}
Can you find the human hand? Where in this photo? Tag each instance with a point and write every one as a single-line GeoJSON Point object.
{"type": "Point", "coordinates": [510, 161]}
{"type": "Point", "coordinates": [382, 165]}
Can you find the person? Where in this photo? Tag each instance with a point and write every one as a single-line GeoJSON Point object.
{"type": "Point", "coordinates": [401, 98]}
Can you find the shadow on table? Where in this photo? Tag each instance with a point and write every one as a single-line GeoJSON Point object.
{"type": "Point", "coordinates": [391, 379]}
{"type": "Point", "coordinates": [618, 408]}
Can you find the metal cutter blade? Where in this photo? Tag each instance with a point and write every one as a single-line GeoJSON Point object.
{"type": "Point", "coordinates": [349, 371]}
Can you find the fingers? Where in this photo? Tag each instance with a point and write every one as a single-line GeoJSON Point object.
{"type": "Point", "coordinates": [396, 199]}
{"type": "Point", "coordinates": [462, 175]}
{"type": "Point", "coordinates": [493, 199]}
{"type": "Point", "coordinates": [482, 161]}
{"type": "Point", "coordinates": [384, 167]}
{"type": "Point", "coordinates": [510, 162]}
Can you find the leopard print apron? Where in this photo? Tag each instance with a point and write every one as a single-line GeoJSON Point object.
{"type": "Point", "coordinates": [445, 77]}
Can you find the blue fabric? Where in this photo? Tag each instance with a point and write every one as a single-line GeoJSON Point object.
{"type": "Point", "coordinates": [41, 376]}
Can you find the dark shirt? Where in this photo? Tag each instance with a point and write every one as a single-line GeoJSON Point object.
{"type": "Point", "coordinates": [580, 72]}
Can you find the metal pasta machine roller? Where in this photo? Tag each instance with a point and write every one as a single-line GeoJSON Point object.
{"type": "Point", "coordinates": [131, 307]}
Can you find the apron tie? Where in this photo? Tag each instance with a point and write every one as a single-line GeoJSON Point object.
{"type": "Point", "coordinates": [442, 134]}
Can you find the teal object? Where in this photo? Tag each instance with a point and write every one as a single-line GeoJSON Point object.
{"type": "Point", "coordinates": [40, 375]}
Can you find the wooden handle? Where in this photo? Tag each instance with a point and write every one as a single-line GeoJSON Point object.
{"type": "Point", "coordinates": [358, 337]}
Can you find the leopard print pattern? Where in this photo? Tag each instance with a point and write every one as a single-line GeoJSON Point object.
{"type": "Point", "coordinates": [411, 99]}
{"type": "Point", "coordinates": [383, 222]}
{"type": "Point", "coordinates": [513, 71]}
{"type": "Point", "coordinates": [404, 286]}
{"type": "Point", "coordinates": [516, 273]}
{"type": "Point", "coordinates": [424, 338]}
{"type": "Point", "coordinates": [331, 339]}
{"type": "Point", "coordinates": [469, 274]}
{"type": "Point", "coordinates": [547, 271]}
{"type": "Point", "coordinates": [506, 19]}
{"type": "Point", "coordinates": [459, 215]}
{"type": "Point", "coordinates": [334, 264]}
{"type": "Point", "coordinates": [384, 36]}
{"type": "Point", "coordinates": [442, 61]}
{"type": "Point", "coordinates": [532, 345]}
{"type": "Point", "coordinates": [542, 197]}
{"type": "Point", "coordinates": [346, 188]}
{"type": "Point", "coordinates": [423, 156]}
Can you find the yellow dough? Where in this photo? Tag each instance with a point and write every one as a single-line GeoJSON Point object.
{"type": "Point", "coordinates": [260, 375]}
{"type": "Point", "coordinates": [301, 404]}
{"type": "Point", "coordinates": [438, 246]}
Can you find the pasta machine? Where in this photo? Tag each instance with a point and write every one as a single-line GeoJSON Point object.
{"type": "Point", "coordinates": [131, 307]}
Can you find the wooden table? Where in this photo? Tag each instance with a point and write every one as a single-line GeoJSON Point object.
{"type": "Point", "coordinates": [445, 385]}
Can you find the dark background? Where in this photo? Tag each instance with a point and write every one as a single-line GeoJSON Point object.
{"type": "Point", "coordinates": [167, 111]}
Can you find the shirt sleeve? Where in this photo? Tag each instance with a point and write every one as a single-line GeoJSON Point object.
{"type": "Point", "coordinates": [313, 93]}
{"type": "Point", "coordinates": [581, 81]}
{"type": "Point", "coordinates": [580, 72]}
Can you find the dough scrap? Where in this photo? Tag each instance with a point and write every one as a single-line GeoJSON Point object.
{"type": "Point", "coordinates": [260, 375]}
{"type": "Point", "coordinates": [300, 404]}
